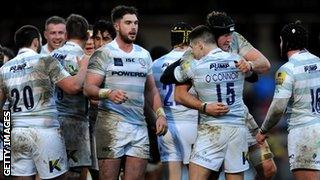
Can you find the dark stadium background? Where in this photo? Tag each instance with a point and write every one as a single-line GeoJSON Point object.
{"type": "Point", "coordinates": [259, 21]}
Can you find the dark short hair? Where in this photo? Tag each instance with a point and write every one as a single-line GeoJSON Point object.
{"type": "Point", "coordinates": [77, 27]}
{"type": "Point", "coordinates": [294, 37]}
{"type": "Point", "coordinates": [103, 26]}
{"type": "Point", "coordinates": [24, 36]}
{"type": "Point", "coordinates": [119, 11]}
{"type": "Point", "coordinates": [7, 52]}
{"type": "Point", "coordinates": [220, 23]}
{"type": "Point", "coordinates": [54, 20]}
{"type": "Point", "coordinates": [180, 34]}
{"type": "Point", "coordinates": [203, 32]}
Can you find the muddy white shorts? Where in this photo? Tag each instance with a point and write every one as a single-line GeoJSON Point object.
{"type": "Point", "coordinates": [304, 147]}
{"type": "Point", "coordinates": [38, 150]}
{"type": "Point", "coordinates": [221, 144]}
{"type": "Point", "coordinates": [77, 138]}
{"type": "Point", "coordinates": [176, 144]}
{"type": "Point", "coordinates": [116, 138]}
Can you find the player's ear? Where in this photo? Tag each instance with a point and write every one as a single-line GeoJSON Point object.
{"type": "Point", "coordinates": [45, 34]}
{"type": "Point", "coordinates": [201, 44]}
{"type": "Point", "coordinates": [116, 26]}
{"type": "Point", "coordinates": [35, 42]}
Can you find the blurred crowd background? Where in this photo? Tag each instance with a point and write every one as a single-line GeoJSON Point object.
{"type": "Point", "coordinates": [259, 22]}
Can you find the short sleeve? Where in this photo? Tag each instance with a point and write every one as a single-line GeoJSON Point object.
{"type": "Point", "coordinates": [149, 62]}
{"type": "Point", "coordinates": [284, 82]}
{"type": "Point", "coordinates": [97, 62]}
{"type": "Point", "coordinates": [54, 69]}
{"type": "Point", "coordinates": [242, 44]}
{"type": "Point", "coordinates": [184, 72]}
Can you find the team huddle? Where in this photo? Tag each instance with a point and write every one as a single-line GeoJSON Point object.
{"type": "Point", "coordinates": [75, 108]}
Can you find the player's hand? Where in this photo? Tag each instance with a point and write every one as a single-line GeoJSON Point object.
{"type": "Point", "coordinates": [261, 137]}
{"type": "Point", "coordinates": [83, 62]}
{"type": "Point", "coordinates": [161, 126]}
{"type": "Point", "coordinates": [118, 96]}
{"type": "Point", "coordinates": [216, 109]}
{"type": "Point", "coordinates": [243, 65]}
{"type": "Point", "coordinates": [252, 78]}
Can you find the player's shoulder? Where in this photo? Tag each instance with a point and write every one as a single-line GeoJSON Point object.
{"type": "Point", "coordinates": [110, 49]}
{"type": "Point", "coordinates": [237, 35]}
{"type": "Point", "coordinates": [100, 55]}
{"type": "Point", "coordinates": [47, 62]}
{"type": "Point", "coordinates": [220, 54]}
{"type": "Point", "coordinates": [7, 66]}
{"type": "Point", "coordinates": [59, 51]}
{"type": "Point", "coordinates": [169, 57]}
{"type": "Point", "coordinates": [105, 49]}
{"type": "Point", "coordinates": [286, 68]}
{"type": "Point", "coordinates": [159, 61]}
{"type": "Point", "coordinates": [140, 50]}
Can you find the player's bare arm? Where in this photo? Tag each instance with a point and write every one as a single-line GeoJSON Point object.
{"type": "Point", "coordinates": [259, 63]}
{"type": "Point", "coordinates": [153, 97]}
{"type": "Point", "coordinates": [243, 65]}
{"type": "Point", "coordinates": [74, 84]}
{"type": "Point", "coordinates": [93, 82]}
{"type": "Point", "coordinates": [182, 96]}
{"type": "Point", "coordinates": [277, 108]}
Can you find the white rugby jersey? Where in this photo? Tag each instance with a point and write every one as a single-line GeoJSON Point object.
{"type": "Point", "coordinates": [45, 50]}
{"type": "Point", "coordinates": [216, 79]}
{"type": "Point", "coordinates": [76, 104]}
{"type": "Point", "coordinates": [299, 80]}
{"type": "Point", "coordinates": [239, 45]}
{"type": "Point", "coordinates": [175, 112]}
{"type": "Point", "coordinates": [28, 80]}
{"type": "Point", "coordinates": [125, 71]}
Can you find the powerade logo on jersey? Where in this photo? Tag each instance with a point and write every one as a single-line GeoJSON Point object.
{"type": "Point", "coordinates": [117, 62]}
{"type": "Point", "coordinates": [216, 66]}
{"type": "Point", "coordinates": [127, 73]}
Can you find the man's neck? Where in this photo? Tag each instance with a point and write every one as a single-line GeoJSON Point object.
{"type": "Point", "coordinates": [81, 43]}
{"type": "Point", "coordinates": [50, 49]}
{"type": "Point", "coordinates": [30, 48]}
{"type": "Point", "coordinates": [290, 53]}
{"type": "Point", "coordinates": [209, 48]}
{"type": "Point", "coordinates": [126, 47]}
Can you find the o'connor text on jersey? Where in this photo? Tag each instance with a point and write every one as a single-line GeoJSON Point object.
{"type": "Point", "coordinates": [222, 76]}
